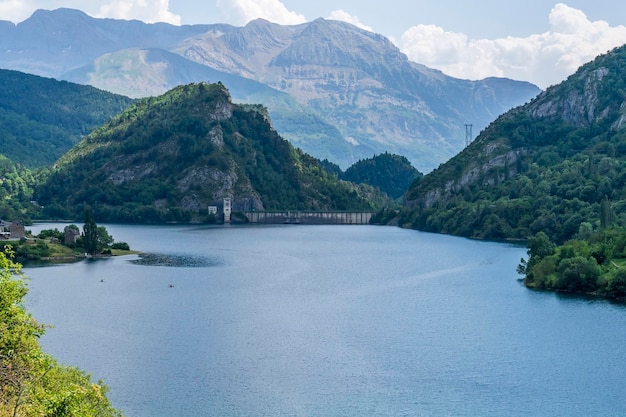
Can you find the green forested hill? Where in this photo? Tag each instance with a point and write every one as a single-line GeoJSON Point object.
{"type": "Point", "coordinates": [167, 158]}
{"type": "Point", "coordinates": [392, 174]}
{"type": "Point", "coordinates": [41, 118]}
{"type": "Point", "coordinates": [546, 166]}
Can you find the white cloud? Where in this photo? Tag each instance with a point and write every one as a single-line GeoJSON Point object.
{"type": "Point", "coordinates": [243, 11]}
{"type": "Point", "coordinates": [149, 11]}
{"type": "Point", "coordinates": [18, 10]}
{"type": "Point", "coordinates": [146, 10]}
{"type": "Point", "coordinates": [344, 16]}
{"type": "Point", "coordinates": [543, 59]}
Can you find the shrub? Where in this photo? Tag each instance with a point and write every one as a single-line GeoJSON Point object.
{"type": "Point", "coordinates": [120, 246]}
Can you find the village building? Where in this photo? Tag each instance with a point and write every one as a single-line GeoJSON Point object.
{"type": "Point", "coordinates": [17, 230]}
{"type": "Point", "coordinates": [71, 235]}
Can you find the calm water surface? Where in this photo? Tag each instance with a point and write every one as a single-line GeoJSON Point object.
{"type": "Point", "coordinates": [328, 321]}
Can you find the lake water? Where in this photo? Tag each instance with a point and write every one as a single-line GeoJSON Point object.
{"type": "Point", "coordinates": [328, 321]}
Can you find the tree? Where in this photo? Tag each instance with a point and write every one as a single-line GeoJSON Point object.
{"type": "Point", "coordinates": [32, 383]}
{"type": "Point", "coordinates": [606, 214]}
{"type": "Point", "coordinates": [95, 238]}
{"type": "Point", "coordinates": [585, 230]}
{"type": "Point", "coordinates": [577, 274]}
{"type": "Point", "coordinates": [18, 335]}
{"type": "Point", "coordinates": [104, 238]}
{"type": "Point", "coordinates": [90, 234]}
{"type": "Point", "coordinates": [616, 287]}
{"type": "Point", "coordinates": [539, 246]}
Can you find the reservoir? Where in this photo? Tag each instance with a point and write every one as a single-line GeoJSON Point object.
{"type": "Point", "coordinates": [294, 320]}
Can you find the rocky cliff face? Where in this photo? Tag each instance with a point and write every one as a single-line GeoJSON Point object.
{"type": "Point", "coordinates": [589, 107]}
{"type": "Point", "coordinates": [576, 107]}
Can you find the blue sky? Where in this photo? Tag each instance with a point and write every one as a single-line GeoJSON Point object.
{"type": "Point", "coordinates": [540, 41]}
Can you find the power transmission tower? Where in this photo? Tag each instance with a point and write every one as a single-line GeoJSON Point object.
{"type": "Point", "coordinates": [468, 135]}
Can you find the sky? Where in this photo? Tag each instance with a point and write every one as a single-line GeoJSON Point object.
{"type": "Point", "coordinates": [541, 41]}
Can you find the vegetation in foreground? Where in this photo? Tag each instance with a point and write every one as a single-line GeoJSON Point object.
{"type": "Point", "coordinates": [592, 263]}
{"type": "Point", "coordinates": [33, 383]}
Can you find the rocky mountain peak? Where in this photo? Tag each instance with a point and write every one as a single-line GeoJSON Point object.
{"type": "Point", "coordinates": [338, 44]}
{"type": "Point", "coordinates": [585, 97]}
{"type": "Point", "coordinates": [258, 37]}
{"type": "Point", "coordinates": [58, 17]}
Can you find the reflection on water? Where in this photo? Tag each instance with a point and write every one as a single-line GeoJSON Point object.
{"type": "Point", "coordinates": [175, 260]}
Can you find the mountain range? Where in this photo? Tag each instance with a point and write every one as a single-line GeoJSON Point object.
{"type": "Point", "coordinates": [336, 91]}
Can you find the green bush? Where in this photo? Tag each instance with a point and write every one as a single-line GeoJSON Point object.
{"type": "Point", "coordinates": [616, 285]}
{"type": "Point", "coordinates": [120, 246]}
{"type": "Point", "coordinates": [33, 383]}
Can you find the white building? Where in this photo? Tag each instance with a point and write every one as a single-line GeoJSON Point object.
{"type": "Point", "coordinates": [227, 210]}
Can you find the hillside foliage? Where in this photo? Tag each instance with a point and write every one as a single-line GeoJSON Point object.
{"type": "Point", "coordinates": [41, 118]}
{"type": "Point", "coordinates": [544, 167]}
{"type": "Point", "coordinates": [33, 383]}
{"type": "Point", "coordinates": [16, 191]}
{"type": "Point", "coordinates": [166, 158]}
{"type": "Point", "coordinates": [592, 263]}
{"type": "Point", "coordinates": [392, 174]}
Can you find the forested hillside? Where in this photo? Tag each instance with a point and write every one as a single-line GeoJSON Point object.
{"type": "Point", "coordinates": [16, 191]}
{"type": "Point", "coordinates": [546, 166]}
{"type": "Point", "coordinates": [41, 118]}
{"type": "Point", "coordinates": [392, 174]}
{"type": "Point", "coordinates": [389, 173]}
{"type": "Point", "coordinates": [167, 158]}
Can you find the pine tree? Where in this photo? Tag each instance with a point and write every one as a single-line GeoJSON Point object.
{"type": "Point", "coordinates": [606, 216]}
{"type": "Point", "coordinates": [90, 234]}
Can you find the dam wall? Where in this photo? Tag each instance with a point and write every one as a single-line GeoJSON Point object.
{"type": "Point", "coordinates": [309, 217]}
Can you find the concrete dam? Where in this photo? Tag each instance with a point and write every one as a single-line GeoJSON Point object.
{"type": "Point", "coordinates": [309, 217]}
